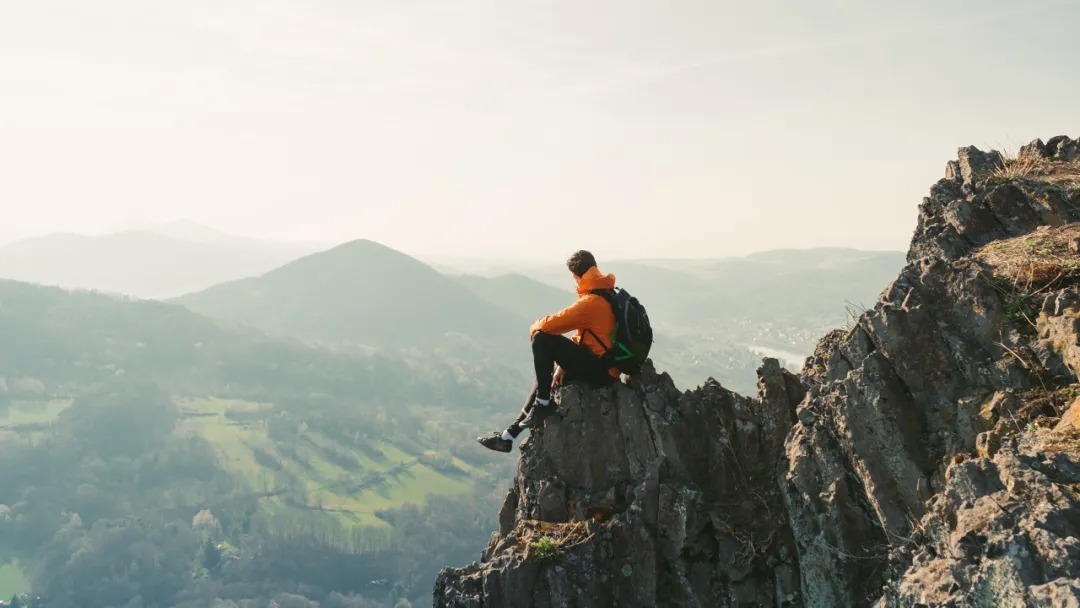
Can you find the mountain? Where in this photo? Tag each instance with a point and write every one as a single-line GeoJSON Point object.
{"type": "Point", "coordinates": [65, 339]}
{"type": "Point", "coordinates": [483, 267]}
{"type": "Point", "coordinates": [804, 283]}
{"type": "Point", "coordinates": [362, 293]}
{"type": "Point", "coordinates": [927, 455]}
{"type": "Point", "coordinates": [145, 263]}
{"type": "Point", "coordinates": [518, 294]}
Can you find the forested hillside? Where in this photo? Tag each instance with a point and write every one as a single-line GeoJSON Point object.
{"type": "Point", "coordinates": [162, 262]}
{"type": "Point", "coordinates": [145, 451]}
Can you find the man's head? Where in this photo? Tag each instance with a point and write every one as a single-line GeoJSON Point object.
{"type": "Point", "coordinates": [580, 263]}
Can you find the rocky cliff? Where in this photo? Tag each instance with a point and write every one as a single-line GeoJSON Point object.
{"type": "Point", "coordinates": [641, 496]}
{"type": "Point", "coordinates": [929, 455]}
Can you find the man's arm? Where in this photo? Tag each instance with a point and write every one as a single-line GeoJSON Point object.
{"type": "Point", "coordinates": [566, 320]}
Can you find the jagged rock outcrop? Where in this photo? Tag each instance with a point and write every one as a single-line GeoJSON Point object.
{"type": "Point", "coordinates": [1005, 531]}
{"type": "Point", "coordinates": [964, 343]}
{"type": "Point", "coordinates": [641, 496]}
{"type": "Point", "coordinates": [927, 456]}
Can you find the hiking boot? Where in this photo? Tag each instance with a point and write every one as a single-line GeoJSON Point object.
{"type": "Point", "coordinates": [494, 441]}
{"type": "Point", "coordinates": [537, 415]}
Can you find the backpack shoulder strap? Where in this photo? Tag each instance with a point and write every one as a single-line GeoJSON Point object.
{"type": "Point", "coordinates": [609, 296]}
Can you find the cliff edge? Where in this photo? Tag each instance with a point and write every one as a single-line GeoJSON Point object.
{"type": "Point", "coordinates": [928, 455]}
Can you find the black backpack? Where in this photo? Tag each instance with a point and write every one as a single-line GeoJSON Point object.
{"type": "Point", "coordinates": [633, 336]}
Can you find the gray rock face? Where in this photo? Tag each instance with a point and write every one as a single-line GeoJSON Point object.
{"type": "Point", "coordinates": [924, 378]}
{"type": "Point", "coordinates": [975, 164]}
{"type": "Point", "coordinates": [1004, 532]}
{"type": "Point", "coordinates": [641, 496]}
{"type": "Point", "coordinates": [1059, 332]}
{"type": "Point", "coordinates": [917, 460]}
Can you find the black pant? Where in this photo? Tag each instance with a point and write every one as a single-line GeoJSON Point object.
{"type": "Point", "coordinates": [578, 364]}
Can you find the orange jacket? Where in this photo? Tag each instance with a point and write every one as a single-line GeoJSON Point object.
{"type": "Point", "coordinates": [590, 312]}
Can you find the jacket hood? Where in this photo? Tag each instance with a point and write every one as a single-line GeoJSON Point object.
{"type": "Point", "coordinates": [594, 279]}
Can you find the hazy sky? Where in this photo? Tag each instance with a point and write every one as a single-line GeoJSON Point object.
{"type": "Point", "coordinates": [519, 129]}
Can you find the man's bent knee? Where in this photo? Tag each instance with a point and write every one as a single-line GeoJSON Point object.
{"type": "Point", "coordinates": [541, 339]}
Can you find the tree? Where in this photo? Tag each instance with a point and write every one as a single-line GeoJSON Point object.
{"type": "Point", "coordinates": [123, 418]}
{"type": "Point", "coordinates": [211, 555]}
{"type": "Point", "coordinates": [205, 522]}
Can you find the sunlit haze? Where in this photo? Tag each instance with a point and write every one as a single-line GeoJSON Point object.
{"type": "Point", "coordinates": [508, 129]}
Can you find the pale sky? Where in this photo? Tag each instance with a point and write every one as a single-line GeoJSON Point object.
{"type": "Point", "coordinates": [673, 128]}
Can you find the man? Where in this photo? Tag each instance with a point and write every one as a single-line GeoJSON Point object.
{"type": "Point", "coordinates": [558, 359]}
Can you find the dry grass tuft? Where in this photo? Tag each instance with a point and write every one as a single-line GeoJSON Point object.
{"type": "Point", "coordinates": [1041, 258]}
{"type": "Point", "coordinates": [1067, 440]}
{"type": "Point", "coordinates": [1016, 168]}
{"type": "Point", "coordinates": [1036, 169]}
{"type": "Point", "coordinates": [546, 540]}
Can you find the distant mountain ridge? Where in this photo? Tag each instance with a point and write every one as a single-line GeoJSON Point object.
{"type": "Point", "coordinates": [711, 315]}
{"type": "Point", "coordinates": [177, 259]}
{"type": "Point", "coordinates": [361, 292]}
{"type": "Point", "coordinates": [525, 297]}
{"type": "Point", "coordinates": [763, 285]}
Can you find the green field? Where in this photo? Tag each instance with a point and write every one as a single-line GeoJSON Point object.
{"type": "Point", "coordinates": [21, 413]}
{"type": "Point", "coordinates": [386, 479]}
{"type": "Point", "coordinates": [12, 580]}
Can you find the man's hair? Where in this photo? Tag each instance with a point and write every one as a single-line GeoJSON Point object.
{"type": "Point", "coordinates": [580, 262]}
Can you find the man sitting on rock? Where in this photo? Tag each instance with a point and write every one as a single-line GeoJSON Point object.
{"type": "Point", "coordinates": [558, 359]}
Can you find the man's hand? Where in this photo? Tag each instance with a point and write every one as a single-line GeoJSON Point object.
{"type": "Point", "coordinates": [557, 379]}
